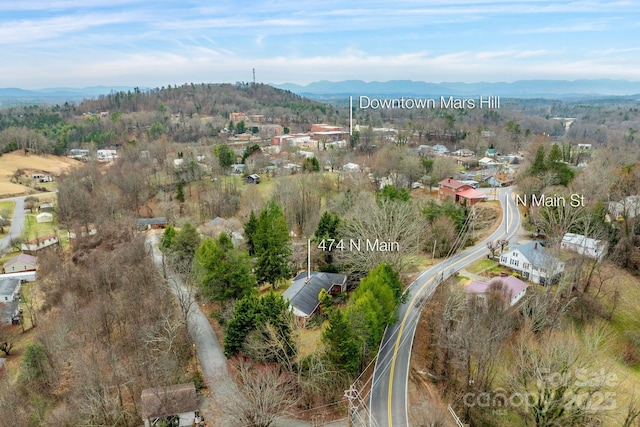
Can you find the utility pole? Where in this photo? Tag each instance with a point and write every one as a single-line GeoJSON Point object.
{"type": "Point", "coordinates": [254, 76]}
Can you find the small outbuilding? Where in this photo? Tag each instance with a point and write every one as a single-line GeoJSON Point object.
{"type": "Point", "coordinates": [44, 217]}
{"type": "Point", "coordinates": [253, 179]}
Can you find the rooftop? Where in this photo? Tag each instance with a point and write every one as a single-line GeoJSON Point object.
{"type": "Point", "coordinates": [303, 296]}
{"type": "Point", "coordinates": [170, 400]}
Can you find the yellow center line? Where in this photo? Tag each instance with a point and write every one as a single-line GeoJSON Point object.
{"type": "Point", "coordinates": [406, 315]}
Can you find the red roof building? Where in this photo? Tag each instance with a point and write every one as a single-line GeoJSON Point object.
{"type": "Point", "coordinates": [459, 192]}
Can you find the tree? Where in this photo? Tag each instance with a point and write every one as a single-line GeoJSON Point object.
{"type": "Point", "coordinates": [342, 346]}
{"type": "Point", "coordinates": [7, 338]}
{"type": "Point", "coordinates": [311, 165]}
{"type": "Point", "coordinates": [327, 227]}
{"type": "Point", "coordinates": [180, 191]}
{"type": "Point", "coordinates": [544, 372]}
{"type": "Point", "coordinates": [168, 237]}
{"type": "Point", "coordinates": [538, 167]}
{"type": "Point", "coordinates": [264, 394]}
{"type": "Point", "coordinates": [223, 272]}
{"type": "Point", "coordinates": [398, 224]}
{"type": "Point", "coordinates": [184, 248]}
{"type": "Point", "coordinates": [391, 192]}
{"type": "Point", "coordinates": [225, 154]}
{"type": "Point", "coordinates": [249, 232]}
{"type": "Point", "coordinates": [272, 246]}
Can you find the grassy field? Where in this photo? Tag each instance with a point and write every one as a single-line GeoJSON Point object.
{"type": "Point", "coordinates": [481, 265]}
{"type": "Point", "coordinates": [11, 162]}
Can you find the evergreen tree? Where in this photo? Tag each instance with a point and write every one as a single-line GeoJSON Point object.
{"type": "Point", "coordinates": [342, 347]}
{"type": "Point", "coordinates": [391, 192]}
{"type": "Point", "coordinates": [272, 246]}
{"type": "Point", "coordinates": [538, 167]}
{"type": "Point", "coordinates": [180, 191]}
{"type": "Point", "coordinates": [168, 236]}
{"type": "Point", "coordinates": [555, 155]}
{"type": "Point", "coordinates": [223, 272]}
{"type": "Point", "coordinates": [243, 321]}
{"type": "Point", "coordinates": [249, 232]}
{"type": "Point", "coordinates": [184, 247]}
{"type": "Point", "coordinates": [327, 227]}
{"type": "Point", "coordinates": [225, 154]}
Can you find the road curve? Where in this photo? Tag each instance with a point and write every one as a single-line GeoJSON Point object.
{"type": "Point", "coordinates": [388, 397]}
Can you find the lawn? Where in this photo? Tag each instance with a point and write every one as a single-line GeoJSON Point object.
{"type": "Point", "coordinates": [484, 264]}
{"type": "Point", "coordinates": [33, 229]}
{"type": "Point", "coordinates": [7, 206]}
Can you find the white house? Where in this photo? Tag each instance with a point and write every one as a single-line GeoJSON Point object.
{"type": "Point", "coordinates": [9, 300]}
{"type": "Point", "coordinates": [351, 167]}
{"type": "Point", "coordinates": [174, 405]}
{"type": "Point", "coordinates": [534, 262]}
{"type": "Point", "coordinates": [440, 149]}
{"type": "Point", "coordinates": [628, 208]}
{"type": "Point", "coordinates": [584, 245]}
{"type": "Point", "coordinates": [512, 288]}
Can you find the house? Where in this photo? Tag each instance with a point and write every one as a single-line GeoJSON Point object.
{"type": "Point", "coordinates": [463, 152]}
{"type": "Point", "coordinates": [459, 192]}
{"type": "Point", "coordinates": [351, 167]}
{"type": "Point", "coordinates": [487, 162]}
{"type": "Point", "coordinates": [534, 262]}
{"type": "Point", "coordinates": [584, 245]}
{"type": "Point", "coordinates": [253, 179]}
{"type": "Point", "coordinates": [9, 300]}
{"type": "Point", "coordinates": [440, 149]}
{"type": "Point", "coordinates": [627, 208]}
{"type": "Point", "coordinates": [305, 288]}
{"type": "Point", "coordinates": [41, 242]}
{"type": "Point", "coordinates": [175, 405]}
{"type": "Point", "coordinates": [22, 262]}
{"type": "Point", "coordinates": [512, 288]}
{"type": "Point", "coordinates": [83, 232]}
{"type": "Point", "coordinates": [44, 217]}
{"type": "Point", "coordinates": [152, 223]}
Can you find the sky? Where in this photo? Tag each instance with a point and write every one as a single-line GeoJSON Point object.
{"type": "Point", "coordinates": [80, 43]}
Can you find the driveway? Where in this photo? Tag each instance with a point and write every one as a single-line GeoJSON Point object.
{"type": "Point", "coordinates": [17, 224]}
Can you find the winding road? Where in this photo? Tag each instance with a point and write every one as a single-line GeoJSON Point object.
{"type": "Point", "coordinates": [388, 397]}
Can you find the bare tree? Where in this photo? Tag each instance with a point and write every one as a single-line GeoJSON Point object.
{"type": "Point", "coordinates": [388, 231]}
{"type": "Point", "coordinates": [264, 396]}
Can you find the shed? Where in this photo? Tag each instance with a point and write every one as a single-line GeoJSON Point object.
{"type": "Point", "coordinates": [175, 405]}
{"type": "Point", "coordinates": [152, 223]}
{"type": "Point", "coordinates": [253, 179]}
{"type": "Point", "coordinates": [44, 217]}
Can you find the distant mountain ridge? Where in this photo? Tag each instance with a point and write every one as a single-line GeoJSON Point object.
{"type": "Point", "coordinates": [516, 89]}
{"type": "Point", "coordinates": [57, 95]}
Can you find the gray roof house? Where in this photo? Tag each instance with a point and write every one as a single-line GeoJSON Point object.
{"type": "Point", "coordinates": [9, 299]}
{"type": "Point", "coordinates": [303, 295]}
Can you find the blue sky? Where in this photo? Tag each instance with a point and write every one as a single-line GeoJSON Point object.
{"type": "Point", "coordinates": [78, 43]}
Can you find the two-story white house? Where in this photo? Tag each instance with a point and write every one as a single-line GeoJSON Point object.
{"type": "Point", "coordinates": [534, 262]}
{"type": "Point", "coordinates": [9, 299]}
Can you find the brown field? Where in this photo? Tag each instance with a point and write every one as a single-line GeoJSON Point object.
{"type": "Point", "coordinates": [11, 162]}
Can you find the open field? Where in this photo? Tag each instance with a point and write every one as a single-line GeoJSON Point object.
{"type": "Point", "coordinates": [11, 162]}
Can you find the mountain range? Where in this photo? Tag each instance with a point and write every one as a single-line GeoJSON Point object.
{"type": "Point", "coordinates": [516, 89]}
{"type": "Point", "coordinates": [328, 90]}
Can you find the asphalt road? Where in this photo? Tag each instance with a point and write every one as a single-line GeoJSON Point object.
{"type": "Point", "coordinates": [388, 398]}
{"type": "Point", "coordinates": [17, 224]}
